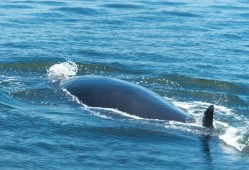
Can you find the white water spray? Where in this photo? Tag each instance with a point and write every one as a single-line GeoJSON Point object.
{"type": "Point", "coordinates": [62, 70]}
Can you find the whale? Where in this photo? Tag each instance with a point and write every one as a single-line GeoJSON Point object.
{"type": "Point", "coordinates": [106, 92]}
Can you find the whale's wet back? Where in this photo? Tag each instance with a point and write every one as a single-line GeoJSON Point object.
{"type": "Point", "coordinates": [97, 91]}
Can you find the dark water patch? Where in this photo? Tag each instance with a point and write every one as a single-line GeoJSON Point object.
{"type": "Point", "coordinates": [30, 70]}
{"type": "Point", "coordinates": [123, 6]}
{"type": "Point", "coordinates": [238, 51]}
{"type": "Point", "coordinates": [229, 7]}
{"type": "Point", "coordinates": [144, 19]}
{"type": "Point", "coordinates": [110, 69]}
{"type": "Point", "coordinates": [69, 20]}
{"type": "Point", "coordinates": [28, 67]}
{"type": "Point", "coordinates": [244, 15]}
{"type": "Point", "coordinates": [197, 89]}
{"type": "Point", "coordinates": [94, 58]}
{"type": "Point", "coordinates": [51, 18]}
{"type": "Point", "coordinates": [16, 23]}
{"type": "Point", "coordinates": [120, 133]}
{"type": "Point", "coordinates": [244, 2]}
{"type": "Point", "coordinates": [5, 106]}
{"type": "Point", "coordinates": [18, 149]}
{"type": "Point", "coordinates": [207, 84]}
{"type": "Point", "coordinates": [171, 3]}
{"type": "Point", "coordinates": [131, 133]}
{"type": "Point", "coordinates": [245, 99]}
{"type": "Point", "coordinates": [232, 36]}
{"type": "Point", "coordinates": [115, 23]}
{"type": "Point", "coordinates": [21, 45]}
{"type": "Point", "coordinates": [19, 7]}
{"type": "Point", "coordinates": [181, 14]}
{"type": "Point", "coordinates": [163, 3]}
{"type": "Point", "coordinates": [29, 120]}
{"type": "Point", "coordinates": [53, 15]}
{"type": "Point", "coordinates": [79, 11]}
{"type": "Point", "coordinates": [6, 102]}
{"type": "Point", "coordinates": [96, 53]}
{"type": "Point", "coordinates": [46, 145]}
{"type": "Point", "coordinates": [54, 3]}
{"type": "Point", "coordinates": [218, 98]}
{"type": "Point", "coordinates": [31, 56]}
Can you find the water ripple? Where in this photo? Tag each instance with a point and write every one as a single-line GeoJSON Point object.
{"type": "Point", "coordinates": [53, 3]}
{"type": "Point", "coordinates": [181, 14]}
{"type": "Point", "coordinates": [17, 7]}
{"type": "Point", "coordinates": [79, 10]}
{"type": "Point", "coordinates": [123, 6]}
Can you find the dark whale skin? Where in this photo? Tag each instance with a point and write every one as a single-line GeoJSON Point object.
{"type": "Point", "coordinates": [98, 91]}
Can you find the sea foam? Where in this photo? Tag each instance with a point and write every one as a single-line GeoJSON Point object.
{"type": "Point", "coordinates": [62, 70]}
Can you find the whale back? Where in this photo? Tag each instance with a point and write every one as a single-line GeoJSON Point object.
{"type": "Point", "coordinates": [98, 91]}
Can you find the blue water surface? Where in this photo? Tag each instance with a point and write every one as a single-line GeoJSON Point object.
{"type": "Point", "coordinates": [193, 53]}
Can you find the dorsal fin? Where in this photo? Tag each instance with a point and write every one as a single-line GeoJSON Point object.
{"type": "Point", "coordinates": [207, 119]}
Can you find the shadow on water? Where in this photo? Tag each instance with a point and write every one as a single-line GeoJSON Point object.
{"type": "Point", "coordinates": [205, 147]}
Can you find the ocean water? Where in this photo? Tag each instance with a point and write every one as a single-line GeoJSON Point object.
{"type": "Point", "coordinates": [193, 53]}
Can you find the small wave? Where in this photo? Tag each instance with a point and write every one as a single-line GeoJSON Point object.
{"type": "Point", "coordinates": [181, 14]}
{"type": "Point", "coordinates": [229, 7]}
{"type": "Point", "coordinates": [15, 7]}
{"type": "Point", "coordinates": [235, 137]}
{"type": "Point", "coordinates": [62, 70]}
{"type": "Point", "coordinates": [79, 10]}
{"type": "Point", "coordinates": [164, 3]}
{"type": "Point", "coordinates": [40, 2]}
{"type": "Point", "coordinates": [52, 15]}
{"type": "Point", "coordinates": [5, 106]}
{"type": "Point", "coordinates": [244, 15]}
{"type": "Point", "coordinates": [123, 6]}
{"type": "Point", "coordinates": [54, 3]}
{"type": "Point", "coordinates": [8, 80]}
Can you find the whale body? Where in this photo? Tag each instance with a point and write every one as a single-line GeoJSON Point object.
{"type": "Point", "coordinates": [99, 91]}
